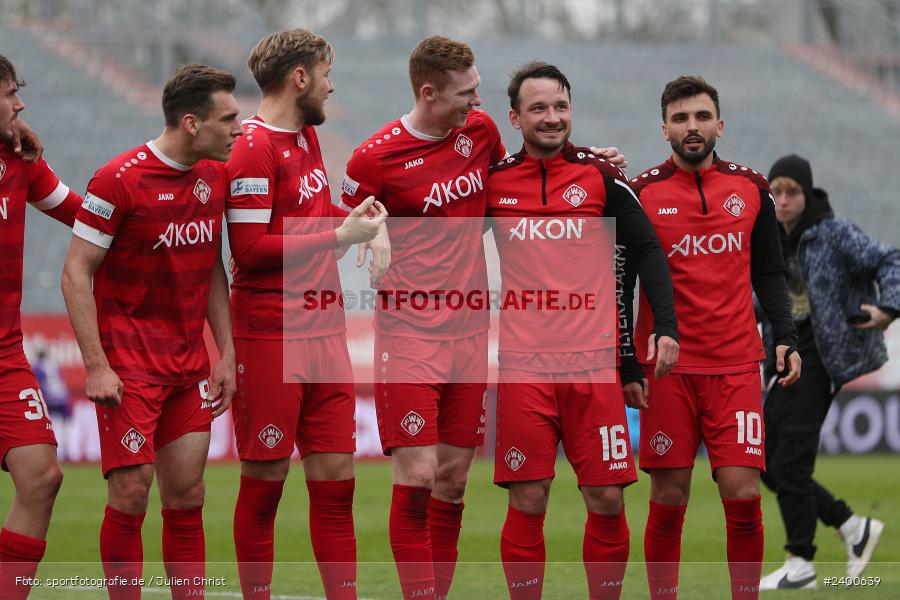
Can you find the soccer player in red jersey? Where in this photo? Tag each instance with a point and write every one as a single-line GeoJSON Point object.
{"type": "Point", "coordinates": [295, 387]}
{"type": "Point", "coordinates": [148, 240]}
{"type": "Point", "coordinates": [716, 222]}
{"type": "Point", "coordinates": [27, 443]}
{"type": "Point", "coordinates": [557, 363]}
{"type": "Point", "coordinates": [431, 163]}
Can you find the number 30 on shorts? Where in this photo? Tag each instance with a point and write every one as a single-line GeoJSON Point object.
{"type": "Point", "coordinates": [749, 428]}
{"type": "Point", "coordinates": [614, 441]}
{"type": "Point", "coordinates": [36, 402]}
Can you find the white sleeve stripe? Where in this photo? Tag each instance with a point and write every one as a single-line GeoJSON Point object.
{"type": "Point", "coordinates": [54, 199]}
{"type": "Point", "coordinates": [94, 236]}
{"type": "Point", "coordinates": [248, 215]}
{"type": "Point", "coordinates": [630, 191]}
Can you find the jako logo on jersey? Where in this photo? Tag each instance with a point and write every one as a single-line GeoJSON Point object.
{"type": "Point", "coordinates": [463, 145]}
{"type": "Point", "coordinates": [133, 440]}
{"type": "Point", "coordinates": [186, 234]}
{"type": "Point", "coordinates": [508, 201]}
{"type": "Point", "coordinates": [661, 443]}
{"type": "Point", "coordinates": [575, 195]}
{"type": "Point", "coordinates": [301, 141]}
{"type": "Point", "coordinates": [202, 191]}
{"type": "Point", "coordinates": [312, 183]}
{"type": "Point", "coordinates": [412, 423]}
{"type": "Point", "coordinates": [414, 163]}
{"type": "Point", "coordinates": [542, 229]}
{"type": "Point", "coordinates": [454, 189]}
{"type": "Point", "coordinates": [270, 436]}
{"type": "Point", "coordinates": [3, 210]}
{"type": "Point", "coordinates": [249, 185]}
{"type": "Point", "coordinates": [101, 208]}
{"type": "Point", "coordinates": [162, 197]}
{"type": "Point", "coordinates": [668, 211]}
{"type": "Point", "coordinates": [349, 186]}
{"type": "Point", "coordinates": [514, 458]}
{"type": "Point", "coordinates": [692, 245]}
{"type": "Point", "coordinates": [734, 206]}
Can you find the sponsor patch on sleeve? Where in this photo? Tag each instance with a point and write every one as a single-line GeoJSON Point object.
{"type": "Point", "coordinates": [349, 186]}
{"type": "Point", "coordinates": [251, 185]}
{"type": "Point", "coordinates": [98, 206]}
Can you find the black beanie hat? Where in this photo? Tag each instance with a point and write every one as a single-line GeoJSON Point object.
{"type": "Point", "coordinates": [798, 169]}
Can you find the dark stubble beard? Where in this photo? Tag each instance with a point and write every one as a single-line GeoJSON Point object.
{"type": "Point", "coordinates": [312, 114]}
{"type": "Point", "coordinates": [694, 158]}
{"type": "Point", "coordinates": [537, 143]}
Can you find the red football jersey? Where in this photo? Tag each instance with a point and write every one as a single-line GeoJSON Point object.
{"type": "Point", "coordinates": [20, 183]}
{"type": "Point", "coordinates": [559, 307]}
{"type": "Point", "coordinates": [277, 177]}
{"type": "Point", "coordinates": [416, 175]}
{"type": "Point", "coordinates": [162, 224]}
{"type": "Point", "coordinates": [704, 222]}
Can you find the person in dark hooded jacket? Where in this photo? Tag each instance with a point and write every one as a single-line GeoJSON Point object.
{"type": "Point", "coordinates": [844, 288]}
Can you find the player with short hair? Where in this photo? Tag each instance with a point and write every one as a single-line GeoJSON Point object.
{"type": "Point", "coordinates": [295, 387]}
{"type": "Point", "coordinates": [27, 442]}
{"type": "Point", "coordinates": [716, 222]}
{"type": "Point", "coordinates": [558, 379]}
{"type": "Point", "coordinates": [148, 240]}
{"type": "Point", "coordinates": [432, 362]}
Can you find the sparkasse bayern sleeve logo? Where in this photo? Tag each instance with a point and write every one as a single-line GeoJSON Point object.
{"type": "Point", "coordinates": [249, 185]}
{"type": "Point", "coordinates": [350, 185]}
{"type": "Point", "coordinates": [98, 206]}
{"type": "Point", "coordinates": [202, 191]}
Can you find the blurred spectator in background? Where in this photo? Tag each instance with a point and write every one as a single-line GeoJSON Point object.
{"type": "Point", "coordinates": [56, 396]}
{"type": "Point", "coordinates": [844, 288]}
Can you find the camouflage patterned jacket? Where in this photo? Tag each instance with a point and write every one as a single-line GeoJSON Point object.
{"type": "Point", "coordinates": [843, 268]}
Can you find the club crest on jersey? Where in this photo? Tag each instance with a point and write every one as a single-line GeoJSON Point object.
{"type": "Point", "coordinates": [133, 440]}
{"type": "Point", "coordinates": [412, 423]}
{"type": "Point", "coordinates": [301, 141]}
{"type": "Point", "coordinates": [734, 205]}
{"type": "Point", "coordinates": [575, 195]}
{"type": "Point", "coordinates": [202, 191]}
{"type": "Point", "coordinates": [514, 458]}
{"type": "Point", "coordinates": [2, 169]}
{"type": "Point", "coordinates": [661, 443]}
{"type": "Point", "coordinates": [463, 145]}
{"type": "Point", "coordinates": [270, 436]}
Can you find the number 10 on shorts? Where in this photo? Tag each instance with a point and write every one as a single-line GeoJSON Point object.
{"type": "Point", "coordinates": [749, 428]}
{"type": "Point", "coordinates": [614, 440]}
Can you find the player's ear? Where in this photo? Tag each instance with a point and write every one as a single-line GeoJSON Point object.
{"type": "Point", "coordinates": [427, 91]}
{"type": "Point", "coordinates": [514, 119]}
{"type": "Point", "coordinates": [720, 128]}
{"type": "Point", "coordinates": [665, 131]}
{"type": "Point", "coordinates": [190, 123]}
{"type": "Point", "coordinates": [300, 77]}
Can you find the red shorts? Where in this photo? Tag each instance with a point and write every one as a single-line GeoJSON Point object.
{"type": "Point", "coordinates": [282, 404]}
{"type": "Point", "coordinates": [150, 417]}
{"type": "Point", "coordinates": [24, 418]}
{"type": "Point", "coordinates": [537, 410]}
{"type": "Point", "coordinates": [430, 391]}
{"type": "Point", "coordinates": [724, 411]}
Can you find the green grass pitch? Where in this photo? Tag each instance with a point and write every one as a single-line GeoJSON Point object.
{"type": "Point", "coordinates": [869, 483]}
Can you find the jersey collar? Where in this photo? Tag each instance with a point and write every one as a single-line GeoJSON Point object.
{"type": "Point", "coordinates": [165, 159]}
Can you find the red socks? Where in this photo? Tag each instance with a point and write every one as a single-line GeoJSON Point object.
{"type": "Point", "coordinates": [19, 558]}
{"type": "Point", "coordinates": [184, 551]}
{"type": "Point", "coordinates": [523, 554]}
{"type": "Point", "coordinates": [411, 541]}
{"type": "Point", "coordinates": [332, 535]}
{"type": "Point", "coordinates": [662, 549]}
{"type": "Point", "coordinates": [122, 553]}
{"type": "Point", "coordinates": [444, 523]}
{"type": "Point", "coordinates": [744, 533]}
{"type": "Point", "coordinates": [605, 553]}
{"type": "Point", "coordinates": [254, 535]}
